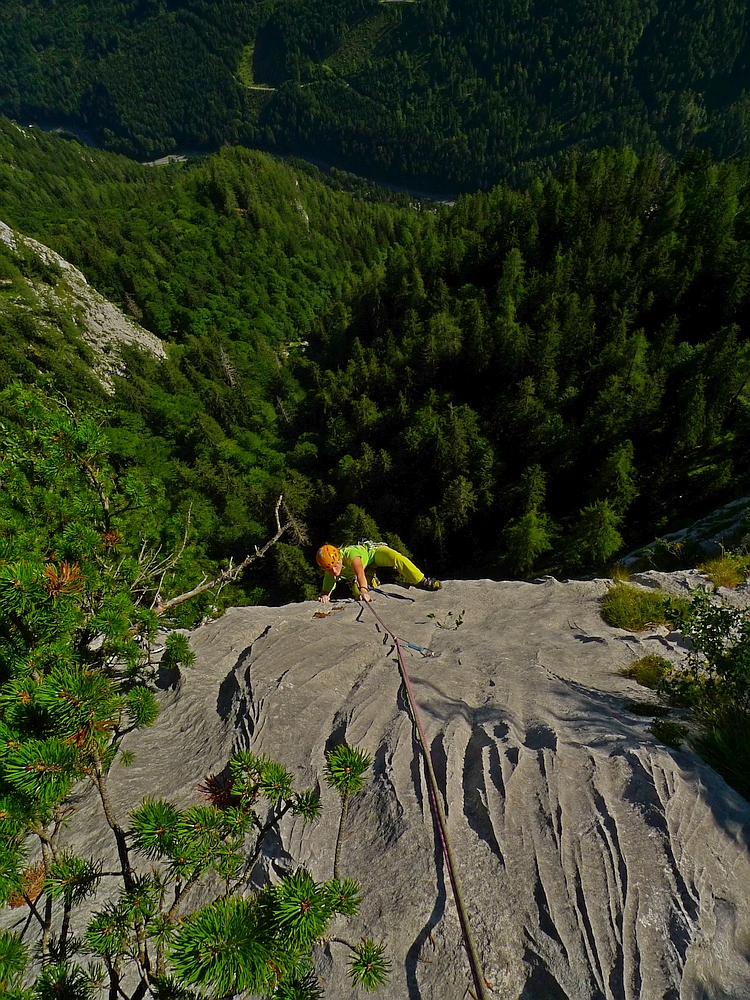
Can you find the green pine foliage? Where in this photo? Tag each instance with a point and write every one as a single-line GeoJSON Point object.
{"type": "Point", "coordinates": [436, 94]}
{"type": "Point", "coordinates": [64, 979]}
{"type": "Point", "coordinates": [586, 326]}
{"type": "Point", "coordinates": [369, 966]}
{"type": "Point", "coordinates": [177, 652]}
{"type": "Point", "coordinates": [80, 596]}
{"type": "Point", "coordinates": [523, 382]}
{"type": "Point", "coordinates": [13, 958]}
{"type": "Point", "coordinates": [345, 771]}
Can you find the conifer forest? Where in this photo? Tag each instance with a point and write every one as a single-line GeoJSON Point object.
{"type": "Point", "coordinates": [522, 382]}
{"type": "Point", "coordinates": [535, 375]}
{"type": "Point", "coordinates": [438, 94]}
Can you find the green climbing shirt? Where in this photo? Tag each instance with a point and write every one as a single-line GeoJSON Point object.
{"type": "Point", "coordinates": [349, 552]}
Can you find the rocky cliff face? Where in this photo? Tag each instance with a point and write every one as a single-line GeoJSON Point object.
{"type": "Point", "coordinates": [595, 861]}
{"type": "Point", "coordinates": [102, 326]}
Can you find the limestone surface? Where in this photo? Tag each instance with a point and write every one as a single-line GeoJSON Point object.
{"type": "Point", "coordinates": [595, 862]}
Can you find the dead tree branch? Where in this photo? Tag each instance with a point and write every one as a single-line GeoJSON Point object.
{"type": "Point", "coordinates": [232, 573]}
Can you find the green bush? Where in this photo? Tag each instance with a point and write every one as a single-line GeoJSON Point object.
{"type": "Point", "coordinates": [715, 682]}
{"type": "Point", "coordinates": [671, 733]}
{"type": "Point", "coordinates": [724, 743]}
{"type": "Point", "coordinates": [716, 677]}
{"type": "Point", "coordinates": [635, 609]}
{"type": "Point", "coordinates": [649, 670]}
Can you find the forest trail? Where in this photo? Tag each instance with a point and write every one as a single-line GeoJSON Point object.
{"type": "Point", "coordinates": [594, 860]}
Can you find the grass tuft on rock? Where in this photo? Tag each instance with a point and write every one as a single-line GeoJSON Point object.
{"type": "Point", "coordinates": [671, 733]}
{"type": "Point", "coordinates": [649, 670]}
{"type": "Point", "coordinates": [727, 570]}
{"type": "Point", "coordinates": [632, 608]}
{"type": "Point", "coordinates": [619, 573]}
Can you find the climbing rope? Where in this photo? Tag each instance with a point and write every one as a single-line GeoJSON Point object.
{"type": "Point", "coordinates": [480, 983]}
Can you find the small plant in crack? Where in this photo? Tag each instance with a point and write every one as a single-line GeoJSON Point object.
{"type": "Point", "coordinates": [451, 621]}
{"type": "Point", "coordinates": [369, 966]}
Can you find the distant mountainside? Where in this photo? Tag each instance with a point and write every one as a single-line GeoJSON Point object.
{"type": "Point", "coordinates": [433, 93]}
{"type": "Point", "coordinates": [67, 309]}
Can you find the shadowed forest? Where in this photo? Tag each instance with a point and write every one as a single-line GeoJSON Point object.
{"type": "Point", "coordinates": [438, 94]}
{"type": "Point", "coordinates": [523, 382]}
{"type": "Point", "coordinates": [535, 377]}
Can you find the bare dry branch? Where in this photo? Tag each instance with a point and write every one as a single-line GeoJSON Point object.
{"type": "Point", "coordinates": [297, 527]}
{"type": "Point", "coordinates": [232, 573]}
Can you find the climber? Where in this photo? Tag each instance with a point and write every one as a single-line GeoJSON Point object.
{"type": "Point", "coordinates": [358, 564]}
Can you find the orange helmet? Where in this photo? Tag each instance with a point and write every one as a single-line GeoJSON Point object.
{"type": "Point", "coordinates": [327, 556]}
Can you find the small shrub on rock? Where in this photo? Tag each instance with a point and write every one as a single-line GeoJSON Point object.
{"type": "Point", "coordinates": [716, 677]}
{"type": "Point", "coordinates": [671, 733]}
{"type": "Point", "coordinates": [727, 570]}
{"type": "Point", "coordinates": [715, 682]}
{"type": "Point", "coordinates": [649, 671]}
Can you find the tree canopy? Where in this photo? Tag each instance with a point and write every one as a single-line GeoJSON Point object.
{"type": "Point", "coordinates": [80, 565]}
{"type": "Point", "coordinates": [522, 382]}
{"type": "Point", "coordinates": [430, 93]}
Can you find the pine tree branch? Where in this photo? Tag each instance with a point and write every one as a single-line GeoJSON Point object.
{"type": "Point", "coordinates": [140, 990]}
{"type": "Point", "coordinates": [99, 779]}
{"type": "Point", "coordinates": [65, 927]}
{"type": "Point", "coordinates": [47, 932]}
{"type": "Point", "coordinates": [113, 972]}
{"type": "Point", "coordinates": [39, 830]}
{"type": "Point", "coordinates": [100, 782]}
{"type": "Point", "coordinates": [32, 909]}
{"type": "Point", "coordinates": [90, 473]}
{"type": "Point", "coordinates": [181, 891]}
{"type": "Point", "coordinates": [45, 921]}
{"type": "Point", "coordinates": [150, 566]}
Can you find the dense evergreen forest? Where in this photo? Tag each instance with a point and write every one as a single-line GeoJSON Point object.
{"type": "Point", "coordinates": [525, 381]}
{"type": "Point", "coordinates": [435, 93]}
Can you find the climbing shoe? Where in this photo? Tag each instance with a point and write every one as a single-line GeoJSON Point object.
{"type": "Point", "coordinates": [429, 583]}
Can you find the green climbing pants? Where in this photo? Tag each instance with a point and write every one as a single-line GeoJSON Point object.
{"type": "Point", "coordinates": [383, 556]}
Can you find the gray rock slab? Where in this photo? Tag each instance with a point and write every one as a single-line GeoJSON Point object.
{"type": "Point", "coordinates": [595, 861]}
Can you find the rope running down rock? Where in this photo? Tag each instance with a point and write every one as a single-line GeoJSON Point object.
{"type": "Point", "coordinates": [480, 983]}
